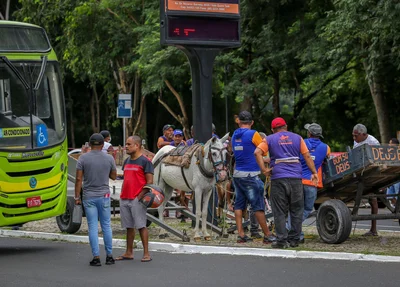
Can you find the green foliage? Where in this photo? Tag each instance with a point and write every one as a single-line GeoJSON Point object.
{"type": "Point", "coordinates": [307, 60]}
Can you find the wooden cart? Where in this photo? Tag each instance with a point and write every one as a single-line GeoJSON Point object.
{"type": "Point", "coordinates": [360, 173]}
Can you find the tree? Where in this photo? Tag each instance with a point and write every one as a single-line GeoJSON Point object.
{"type": "Point", "coordinates": [367, 32]}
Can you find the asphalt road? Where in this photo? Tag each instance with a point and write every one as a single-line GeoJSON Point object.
{"type": "Point", "coordinates": [28, 262]}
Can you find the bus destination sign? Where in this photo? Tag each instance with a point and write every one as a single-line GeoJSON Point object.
{"type": "Point", "coordinates": [205, 6]}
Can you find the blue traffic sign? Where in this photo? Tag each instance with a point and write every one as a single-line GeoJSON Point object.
{"type": "Point", "coordinates": [124, 109]}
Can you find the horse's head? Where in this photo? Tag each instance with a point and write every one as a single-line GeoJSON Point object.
{"type": "Point", "coordinates": [217, 154]}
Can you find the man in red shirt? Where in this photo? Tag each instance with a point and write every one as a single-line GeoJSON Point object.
{"type": "Point", "coordinates": [138, 171]}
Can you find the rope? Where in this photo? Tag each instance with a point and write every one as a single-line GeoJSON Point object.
{"type": "Point", "coordinates": [223, 213]}
{"type": "Point", "coordinates": [363, 159]}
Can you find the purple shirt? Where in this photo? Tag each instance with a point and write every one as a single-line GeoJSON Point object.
{"type": "Point", "coordinates": [285, 147]}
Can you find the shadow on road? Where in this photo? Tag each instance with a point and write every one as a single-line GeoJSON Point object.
{"type": "Point", "coordinates": [18, 250]}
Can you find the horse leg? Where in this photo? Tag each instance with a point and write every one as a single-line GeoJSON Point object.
{"type": "Point", "coordinates": [168, 194]}
{"type": "Point", "coordinates": [206, 198]}
{"type": "Point", "coordinates": [198, 195]}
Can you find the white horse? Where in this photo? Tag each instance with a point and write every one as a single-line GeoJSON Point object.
{"type": "Point", "coordinates": [207, 166]}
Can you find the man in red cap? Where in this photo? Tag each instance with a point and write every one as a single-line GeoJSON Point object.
{"type": "Point", "coordinates": [285, 149]}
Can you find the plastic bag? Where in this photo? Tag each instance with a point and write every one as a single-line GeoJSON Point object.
{"type": "Point", "coordinates": [77, 214]}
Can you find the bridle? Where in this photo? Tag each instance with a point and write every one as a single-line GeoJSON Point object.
{"type": "Point", "coordinates": [220, 165]}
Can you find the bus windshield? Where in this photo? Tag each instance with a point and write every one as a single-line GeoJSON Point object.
{"type": "Point", "coordinates": [31, 108]}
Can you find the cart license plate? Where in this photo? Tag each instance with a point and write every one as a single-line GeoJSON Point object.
{"type": "Point", "coordinates": [33, 201]}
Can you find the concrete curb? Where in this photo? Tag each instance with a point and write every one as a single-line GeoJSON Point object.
{"type": "Point", "coordinates": [201, 249]}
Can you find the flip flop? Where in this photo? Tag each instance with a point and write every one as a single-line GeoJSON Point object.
{"type": "Point", "coordinates": [146, 260]}
{"type": "Point", "coordinates": [122, 258]}
{"type": "Point", "coordinates": [370, 233]}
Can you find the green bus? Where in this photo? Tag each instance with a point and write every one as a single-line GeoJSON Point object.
{"type": "Point", "coordinates": [33, 141]}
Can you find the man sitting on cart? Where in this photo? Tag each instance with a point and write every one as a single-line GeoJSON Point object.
{"type": "Point", "coordinates": [360, 137]}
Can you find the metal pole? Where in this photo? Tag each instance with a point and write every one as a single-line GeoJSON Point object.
{"type": "Point", "coordinates": [124, 132]}
{"type": "Point", "coordinates": [201, 65]}
{"type": "Point", "coordinates": [226, 102]}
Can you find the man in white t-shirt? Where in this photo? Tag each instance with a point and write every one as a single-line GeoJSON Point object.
{"type": "Point", "coordinates": [107, 139]}
{"type": "Point", "coordinates": [360, 137]}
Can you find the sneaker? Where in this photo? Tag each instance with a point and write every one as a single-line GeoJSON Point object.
{"type": "Point", "coordinates": [256, 235]}
{"type": "Point", "coordinates": [95, 262]}
{"type": "Point", "coordinates": [244, 239]}
{"type": "Point", "coordinates": [269, 239]}
{"type": "Point", "coordinates": [302, 240]}
{"type": "Point", "coordinates": [279, 245]}
{"type": "Point", "coordinates": [110, 260]}
{"type": "Point", "coordinates": [294, 244]}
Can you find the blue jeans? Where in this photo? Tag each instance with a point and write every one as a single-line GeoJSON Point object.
{"type": "Point", "coordinates": [99, 208]}
{"type": "Point", "coordinates": [310, 195]}
{"type": "Point", "coordinates": [393, 189]}
{"type": "Point", "coordinates": [249, 190]}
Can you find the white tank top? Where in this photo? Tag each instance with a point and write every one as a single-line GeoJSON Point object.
{"type": "Point", "coordinates": [105, 147]}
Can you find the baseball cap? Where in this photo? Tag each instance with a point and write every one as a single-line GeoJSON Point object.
{"type": "Point", "coordinates": [167, 127]}
{"type": "Point", "coordinates": [245, 116]}
{"type": "Point", "coordinates": [96, 139]}
{"type": "Point", "coordinates": [178, 132]}
{"type": "Point", "coordinates": [277, 123]}
{"type": "Point", "coordinates": [314, 129]}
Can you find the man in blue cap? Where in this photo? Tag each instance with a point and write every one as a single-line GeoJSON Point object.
{"type": "Point", "coordinates": [178, 139]}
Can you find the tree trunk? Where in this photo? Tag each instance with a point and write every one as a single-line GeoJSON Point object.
{"type": "Point", "coordinates": [6, 15]}
{"type": "Point", "coordinates": [122, 81]}
{"type": "Point", "coordinates": [275, 100]}
{"type": "Point", "coordinates": [92, 113]}
{"type": "Point", "coordinates": [246, 105]}
{"type": "Point", "coordinates": [183, 120]}
{"type": "Point", "coordinates": [97, 102]}
{"type": "Point", "coordinates": [135, 124]}
{"type": "Point", "coordinates": [95, 109]}
{"type": "Point", "coordinates": [140, 116]}
{"type": "Point", "coordinates": [378, 96]}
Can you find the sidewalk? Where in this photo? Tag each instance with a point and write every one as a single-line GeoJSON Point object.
{"type": "Point", "coordinates": [201, 249]}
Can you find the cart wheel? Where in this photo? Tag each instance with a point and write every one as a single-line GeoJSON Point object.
{"type": "Point", "coordinates": [64, 221]}
{"type": "Point", "coordinates": [334, 221]}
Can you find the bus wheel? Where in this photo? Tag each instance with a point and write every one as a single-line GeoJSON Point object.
{"type": "Point", "coordinates": [334, 221]}
{"type": "Point", "coordinates": [64, 221]}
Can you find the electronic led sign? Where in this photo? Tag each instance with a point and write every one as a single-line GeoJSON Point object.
{"type": "Point", "coordinates": [205, 23]}
{"type": "Point", "coordinates": [205, 6]}
{"type": "Point", "coordinates": [204, 29]}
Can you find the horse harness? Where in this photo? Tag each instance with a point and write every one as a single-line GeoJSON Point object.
{"type": "Point", "coordinates": [200, 156]}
